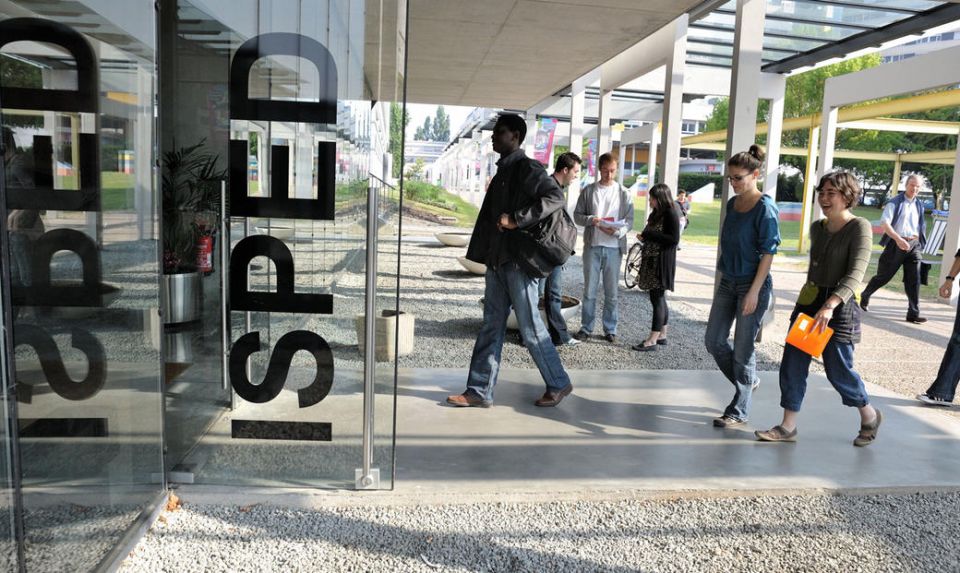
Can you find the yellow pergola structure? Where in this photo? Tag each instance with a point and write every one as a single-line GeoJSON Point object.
{"type": "Point", "coordinates": [870, 116]}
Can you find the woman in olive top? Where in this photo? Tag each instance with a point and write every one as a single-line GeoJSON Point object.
{"type": "Point", "coordinates": [839, 254]}
{"type": "Point", "coordinates": [748, 241]}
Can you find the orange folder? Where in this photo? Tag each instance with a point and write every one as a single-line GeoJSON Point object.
{"type": "Point", "coordinates": [803, 336]}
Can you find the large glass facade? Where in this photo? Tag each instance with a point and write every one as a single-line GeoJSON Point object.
{"type": "Point", "coordinates": [200, 230]}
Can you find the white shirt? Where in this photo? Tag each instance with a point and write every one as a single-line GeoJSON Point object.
{"type": "Point", "coordinates": [909, 223]}
{"type": "Point", "coordinates": [606, 205]}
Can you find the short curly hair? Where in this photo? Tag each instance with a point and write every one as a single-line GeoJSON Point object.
{"type": "Point", "coordinates": [844, 182]}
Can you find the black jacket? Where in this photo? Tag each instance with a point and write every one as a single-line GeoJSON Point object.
{"type": "Point", "coordinates": [668, 240]}
{"type": "Point", "coordinates": [523, 189]}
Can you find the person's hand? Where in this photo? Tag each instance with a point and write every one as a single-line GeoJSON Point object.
{"type": "Point", "coordinates": [639, 236]}
{"type": "Point", "coordinates": [903, 244]}
{"type": "Point", "coordinates": [506, 222]}
{"type": "Point", "coordinates": [750, 302]}
{"type": "Point", "coordinates": [822, 318]}
{"type": "Point", "coordinates": [595, 221]}
{"type": "Point", "coordinates": [945, 289]}
{"type": "Point", "coordinates": [607, 230]}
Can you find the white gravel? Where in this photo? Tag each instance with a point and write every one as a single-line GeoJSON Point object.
{"type": "Point", "coordinates": [819, 533]}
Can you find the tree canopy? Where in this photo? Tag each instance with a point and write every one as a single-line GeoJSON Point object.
{"type": "Point", "coordinates": [434, 129]}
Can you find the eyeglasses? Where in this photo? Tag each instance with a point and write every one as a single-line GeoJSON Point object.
{"type": "Point", "coordinates": [737, 178]}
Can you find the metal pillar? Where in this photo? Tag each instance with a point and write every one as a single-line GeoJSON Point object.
{"type": "Point", "coordinates": [368, 477]}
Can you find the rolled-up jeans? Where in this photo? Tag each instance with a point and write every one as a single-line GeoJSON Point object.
{"type": "Point", "coordinates": [505, 286]}
{"type": "Point", "coordinates": [737, 361]}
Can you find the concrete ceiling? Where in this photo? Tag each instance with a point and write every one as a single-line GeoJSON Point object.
{"type": "Point", "coordinates": [514, 53]}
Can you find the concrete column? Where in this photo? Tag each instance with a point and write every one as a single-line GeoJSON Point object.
{"type": "Point", "coordinates": [951, 240]}
{"type": "Point", "coordinates": [622, 152]}
{"type": "Point", "coordinates": [895, 182]}
{"type": "Point", "coordinates": [531, 134]}
{"type": "Point", "coordinates": [828, 140]}
{"type": "Point", "coordinates": [577, 100]}
{"type": "Point", "coordinates": [652, 157]}
{"type": "Point", "coordinates": [603, 122]}
{"type": "Point", "coordinates": [774, 136]}
{"type": "Point", "coordinates": [810, 208]}
{"type": "Point", "coordinates": [744, 85]}
{"type": "Point", "coordinates": [673, 106]}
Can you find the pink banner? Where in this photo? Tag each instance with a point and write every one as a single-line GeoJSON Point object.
{"type": "Point", "coordinates": [543, 143]}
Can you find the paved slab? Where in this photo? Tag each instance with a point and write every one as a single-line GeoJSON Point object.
{"type": "Point", "coordinates": [651, 430]}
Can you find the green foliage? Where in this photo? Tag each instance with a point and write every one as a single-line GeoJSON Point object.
{"type": "Point", "coordinates": [416, 170]}
{"type": "Point", "coordinates": [789, 188]}
{"type": "Point", "coordinates": [629, 180]}
{"type": "Point", "coordinates": [190, 187]}
{"type": "Point", "coordinates": [438, 200]}
{"type": "Point", "coordinates": [690, 182]}
{"type": "Point", "coordinates": [436, 129]}
{"type": "Point", "coordinates": [19, 74]}
{"type": "Point", "coordinates": [398, 124]}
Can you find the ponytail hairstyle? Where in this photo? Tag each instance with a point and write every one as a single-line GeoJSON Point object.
{"type": "Point", "coordinates": [750, 160]}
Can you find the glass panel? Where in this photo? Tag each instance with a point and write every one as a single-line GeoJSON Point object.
{"type": "Point", "coordinates": [709, 60]}
{"type": "Point", "coordinates": [873, 18]}
{"type": "Point", "coordinates": [82, 232]}
{"type": "Point", "coordinates": [8, 509]}
{"type": "Point", "coordinates": [800, 45]}
{"type": "Point", "coordinates": [301, 161]}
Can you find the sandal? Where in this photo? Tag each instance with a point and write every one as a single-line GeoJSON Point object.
{"type": "Point", "coordinates": [776, 434]}
{"type": "Point", "coordinates": [868, 432]}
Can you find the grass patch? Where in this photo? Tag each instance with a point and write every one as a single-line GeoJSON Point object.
{"type": "Point", "coordinates": [438, 201]}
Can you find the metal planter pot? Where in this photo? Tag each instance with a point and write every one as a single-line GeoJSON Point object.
{"type": "Point", "coordinates": [181, 297]}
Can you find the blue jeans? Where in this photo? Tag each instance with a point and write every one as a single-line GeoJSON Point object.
{"type": "Point", "coordinates": [551, 289]}
{"type": "Point", "coordinates": [736, 361]}
{"type": "Point", "coordinates": [600, 263]}
{"type": "Point", "coordinates": [838, 363]}
{"type": "Point", "coordinates": [505, 286]}
{"type": "Point", "coordinates": [945, 386]}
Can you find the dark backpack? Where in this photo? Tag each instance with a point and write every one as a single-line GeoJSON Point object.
{"type": "Point", "coordinates": [548, 244]}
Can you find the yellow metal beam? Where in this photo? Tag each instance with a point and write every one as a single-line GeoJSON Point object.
{"type": "Point", "coordinates": [904, 125]}
{"type": "Point", "coordinates": [917, 103]}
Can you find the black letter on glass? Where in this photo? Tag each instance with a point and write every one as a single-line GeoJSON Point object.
{"type": "Point", "coordinates": [284, 300]}
{"type": "Point", "coordinates": [52, 362]}
{"type": "Point", "coordinates": [43, 292]}
{"type": "Point", "coordinates": [279, 366]}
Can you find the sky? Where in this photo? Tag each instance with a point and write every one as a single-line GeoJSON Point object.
{"type": "Point", "coordinates": [419, 112]}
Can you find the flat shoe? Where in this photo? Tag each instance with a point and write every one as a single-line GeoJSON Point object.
{"type": "Point", "coordinates": [642, 348]}
{"type": "Point", "coordinates": [776, 434]}
{"type": "Point", "coordinates": [868, 432]}
{"type": "Point", "coordinates": [662, 341]}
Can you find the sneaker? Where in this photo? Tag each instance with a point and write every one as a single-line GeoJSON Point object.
{"type": "Point", "coordinates": [611, 338]}
{"type": "Point", "coordinates": [754, 386]}
{"type": "Point", "coordinates": [934, 401]}
{"type": "Point", "coordinates": [581, 335]}
{"type": "Point", "coordinates": [571, 342]}
{"type": "Point", "coordinates": [727, 422]}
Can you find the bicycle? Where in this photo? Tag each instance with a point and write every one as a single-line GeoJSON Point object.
{"type": "Point", "coordinates": [631, 269]}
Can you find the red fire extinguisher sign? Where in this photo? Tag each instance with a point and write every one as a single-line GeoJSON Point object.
{"type": "Point", "coordinates": [205, 254]}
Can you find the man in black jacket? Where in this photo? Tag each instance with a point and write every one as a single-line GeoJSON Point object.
{"type": "Point", "coordinates": [521, 195]}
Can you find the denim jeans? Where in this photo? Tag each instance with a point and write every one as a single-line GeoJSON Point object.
{"type": "Point", "coordinates": [736, 361]}
{"type": "Point", "coordinates": [945, 386]}
{"type": "Point", "coordinates": [551, 289]}
{"type": "Point", "coordinates": [505, 286]}
{"type": "Point", "coordinates": [21, 257]}
{"type": "Point", "coordinates": [838, 363]}
{"type": "Point", "coordinates": [600, 263]}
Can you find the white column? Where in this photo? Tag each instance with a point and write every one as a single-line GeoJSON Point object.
{"type": "Point", "coordinates": [531, 134]}
{"type": "Point", "coordinates": [777, 86]}
{"type": "Point", "coordinates": [810, 209]}
{"type": "Point", "coordinates": [673, 106]}
{"type": "Point", "coordinates": [744, 85]}
{"type": "Point", "coordinates": [652, 156]}
{"type": "Point", "coordinates": [577, 99]}
{"type": "Point", "coordinates": [828, 139]}
{"type": "Point", "coordinates": [951, 240]}
{"type": "Point", "coordinates": [622, 152]}
{"type": "Point", "coordinates": [603, 122]}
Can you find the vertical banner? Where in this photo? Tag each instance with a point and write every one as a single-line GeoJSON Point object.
{"type": "Point", "coordinates": [590, 157]}
{"type": "Point", "coordinates": [543, 143]}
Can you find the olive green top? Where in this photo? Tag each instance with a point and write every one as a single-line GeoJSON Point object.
{"type": "Point", "coordinates": [839, 260]}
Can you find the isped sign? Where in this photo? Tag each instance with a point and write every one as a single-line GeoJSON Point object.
{"type": "Point", "coordinates": [280, 204]}
{"type": "Point", "coordinates": [40, 194]}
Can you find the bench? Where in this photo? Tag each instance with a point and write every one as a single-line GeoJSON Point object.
{"type": "Point", "coordinates": [929, 254]}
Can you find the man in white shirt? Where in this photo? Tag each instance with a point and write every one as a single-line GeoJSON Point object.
{"type": "Point", "coordinates": [605, 210]}
{"type": "Point", "coordinates": [904, 236]}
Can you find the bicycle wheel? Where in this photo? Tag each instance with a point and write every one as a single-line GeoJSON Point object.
{"type": "Point", "coordinates": [632, 266]}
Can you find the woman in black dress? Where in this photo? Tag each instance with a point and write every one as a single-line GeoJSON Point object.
{"type": "Point", "coordinates": [659, 263]}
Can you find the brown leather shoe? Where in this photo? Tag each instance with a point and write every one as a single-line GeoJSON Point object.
{"type": "Point", "coordinates": [466, 400]}
{"type": "Point", "coordinates": [550, 398]}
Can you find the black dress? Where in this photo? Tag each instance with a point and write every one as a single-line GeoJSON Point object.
{"type": "Point", "coordinates": [663, 234]}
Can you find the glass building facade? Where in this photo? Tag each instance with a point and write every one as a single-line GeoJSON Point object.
{"type": "Point", "coordinates": [200, 254]}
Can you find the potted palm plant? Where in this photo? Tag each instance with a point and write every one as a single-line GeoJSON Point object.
{"type": "Point", "coordinates": [191, 192]}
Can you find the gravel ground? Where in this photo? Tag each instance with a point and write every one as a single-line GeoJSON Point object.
{"type": "Point", "coordinates": [816, 533]}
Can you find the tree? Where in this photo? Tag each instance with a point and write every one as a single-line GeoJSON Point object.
{"type": "Point", "coordinates": [398, 125]}
{"type": "Point", "coordinates": [416, 170]}
{"type": "Point", "coordinates": [441, 125]}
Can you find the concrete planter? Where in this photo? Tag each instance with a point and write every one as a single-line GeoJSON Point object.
{"type": "Point", "coordinates": [389, 327]}
{"type": "Point", "coordinates": [454, 239]}
{"type": "Point", "coordinates": [569, 307]}
{"type": "Point", "coordinates": [473, 267]}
